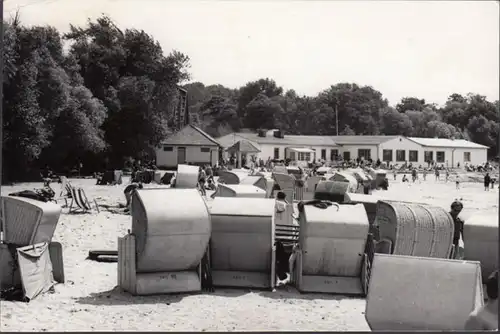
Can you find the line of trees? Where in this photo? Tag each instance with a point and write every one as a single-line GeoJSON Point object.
{"type": "Point", "coordinates": [102, 96]}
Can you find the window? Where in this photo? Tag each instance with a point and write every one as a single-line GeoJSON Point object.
{"type": "Point", "coordinates": [413, 155]}
{"type": "Point", "coordinates": [333, 155]}
{"type": "Point", "coordinates": [387, 155]}
{"type": "Point", "coordinates": [440, 156]}
{"type": "Point", "coordinates": [304, 156]}
{"type": "Point", "coordinates": [323, 154]}
{"type": "Point", "coordinates": [347, 155]}
{"type": "Point", "coordinates": [205, 149]}
{"type": "Point", "coordinates": [292, 156]}
{"type": "Point", "coordinates": [466, 156]}
{"type": "Point", "coordinates": [364, 153]}
{"type": "Point", "coordinates": [428, 156]}
{"type": "Point", "coordinates": [168, 148]}
{"type": "Point", "coordinates": [400, 155]}
{"type": "Point", "coordinates": [276, 153]}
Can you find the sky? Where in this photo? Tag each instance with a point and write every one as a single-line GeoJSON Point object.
{"type": "Point", "coordinates": [424, 49]}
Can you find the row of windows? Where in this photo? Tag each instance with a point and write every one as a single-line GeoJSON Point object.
{"type": "Point", "coordinates": [170, 149]}
{"type": "Point", "coordinates": [387, 155]}
{"type": "Point", "coordinates": [413, 156]}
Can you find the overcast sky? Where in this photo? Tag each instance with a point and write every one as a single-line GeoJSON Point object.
{"type": "Point", "coordinates": [415, 48]}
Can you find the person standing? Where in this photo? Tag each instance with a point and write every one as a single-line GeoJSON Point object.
{"type": "Point", "coordinates": [201, 181]}
{"type": "Point", "coordinates": [128, 192]}
{"type": "Point", "coordinates": [487, 181]}
{"type": "Point", "coordinates": [456, 208]}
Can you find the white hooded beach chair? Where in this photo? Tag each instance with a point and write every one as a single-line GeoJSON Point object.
{"type": "Point", "coordinates": [187, 177]}
{"type": "Point", "coordinates": [242, 245]}
{"type": "Point", "coordinates": [409, 293]}
{"type": "Point", "coordinates": [239, 190]}
{"type": "Point", "coordinates": [331, 255]}
{"type": "Point", "coordinates": [170, 236]}
{"type": "Point", "coordinates": [481, 242]}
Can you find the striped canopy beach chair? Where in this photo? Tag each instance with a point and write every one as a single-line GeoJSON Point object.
{"type": "Point", "coordinates": [80, 202]}
{"type": "Point", "coordinates": [66, 191]}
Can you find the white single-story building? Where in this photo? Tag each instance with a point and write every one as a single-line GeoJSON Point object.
{"type": "Point", "coordinates": [393, 149]}
{"type": "Point", "coordinates": [189, 145]}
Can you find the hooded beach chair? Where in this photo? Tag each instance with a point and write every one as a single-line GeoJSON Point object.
{"type": "Point", "coordinates": [408, 293]}
{"type": "Point", "coordinates": [80, 202]}
{"type": "Point", "coordinates": [331, 254]}
{"type": "Point", "coordinates": [166, 249]}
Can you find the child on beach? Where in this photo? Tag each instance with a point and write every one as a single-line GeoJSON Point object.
{"type": "Point", "coordinates": [457, 182]}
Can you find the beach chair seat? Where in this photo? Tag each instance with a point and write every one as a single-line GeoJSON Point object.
{"type": "Point", "coordinates": [80, 202]}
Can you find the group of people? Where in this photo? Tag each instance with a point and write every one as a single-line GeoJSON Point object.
{"type": "Point", "coordinates": [206, 179]}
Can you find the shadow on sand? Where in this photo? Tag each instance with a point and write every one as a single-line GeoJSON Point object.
{"type": "Point", "coordinates": [117, 296]}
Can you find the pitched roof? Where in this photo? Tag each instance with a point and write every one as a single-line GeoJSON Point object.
{"type": "Point", "coordinates": [294, 140]}
{"type": "Point", "coordinates": [445, 142]}
{"type": "Point", "coordinates": [290, 140]}
{"type": "Point", "coordinates": [190, 135]}
{"type": "Point", "coordinates": [361, 140]}
{"type": "Point", "coordinates": [243, 146]}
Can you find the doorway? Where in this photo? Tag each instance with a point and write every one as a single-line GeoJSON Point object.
{"type": "Point", "coordinates": [347, 156]}
{"type": "Point", "coordinates": [181, 155]}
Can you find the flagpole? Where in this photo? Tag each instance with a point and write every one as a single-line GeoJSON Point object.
{"type": "Point", "coordinates": [1, 103]}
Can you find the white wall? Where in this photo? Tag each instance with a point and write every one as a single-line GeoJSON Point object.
{"type": "Point", "coordinates": [451, 156]}
{"type": "Point", "coordinates": [193, 155]}
{"type": "Point", "coordinates": [478, 156]}
{"type": "Point", "coordinates": [402, 143]}
{"type": "Point", "coordinates": [267, 150]}
{"type": "Point", "coordinates": [353, 150]}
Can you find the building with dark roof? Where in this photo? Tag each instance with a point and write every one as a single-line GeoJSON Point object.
{"type": "Point", "coordinates": [189, 145]}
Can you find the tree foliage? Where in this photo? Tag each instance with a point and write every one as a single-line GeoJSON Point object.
{"type": "Point", "coordinates": [110, 97]}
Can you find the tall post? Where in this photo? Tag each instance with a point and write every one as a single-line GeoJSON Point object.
{"type": "Point", "coordinates": [1, 110]}
{"type": "Point", "coordinates": [336, 119]}
{"type": "Point", "coordinates": [1, 94]}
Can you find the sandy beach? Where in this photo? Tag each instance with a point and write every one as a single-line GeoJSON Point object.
{"type": "Point", "coordinates": [90, 300]}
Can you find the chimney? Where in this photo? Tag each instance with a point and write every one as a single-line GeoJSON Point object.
{"type": "Point", "coordinates": [278, 134]}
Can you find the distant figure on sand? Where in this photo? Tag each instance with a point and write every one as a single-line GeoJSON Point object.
{"type": "Point", "coordinates": [425, 174]}
{"type": "Point", "coordinates": [487, 180]}
{"type": "Point", "coordinates": [395, 174]}
{"type": "Point", "coordinates": [457, 182]}
{"type": "Point", "coordinates": [414, 176]}
{"type": "Point", "coordinates": [486, 317]}
{"type": "Point", "coordinates": [447, 175]}
{"type": "Point", "coordinates": [405, 179]}
{"type": "Point", "coordinates": [436, 173]}
{"type": "Point", "coordinates": [129, 190]}
{"type": "Point", "coordinates": [201, 181]}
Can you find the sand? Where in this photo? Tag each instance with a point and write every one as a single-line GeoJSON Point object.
{"type": "Point", "coordinates": [90, 300]}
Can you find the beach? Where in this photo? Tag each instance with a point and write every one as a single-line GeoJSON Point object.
{"type": "Point", "coordinates": [90, 301]}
